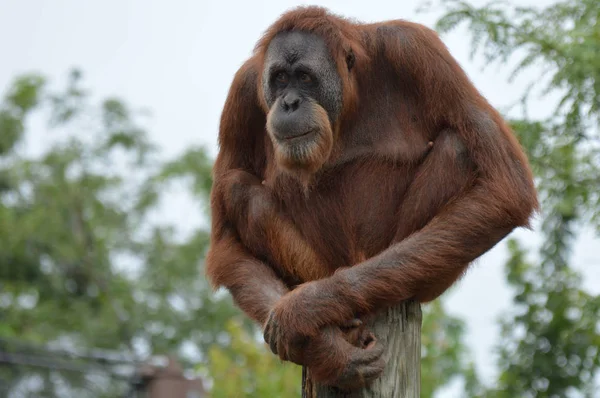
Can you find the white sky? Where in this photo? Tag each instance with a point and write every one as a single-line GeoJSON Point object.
{"type": "Point", "coordinates": [178, 58]}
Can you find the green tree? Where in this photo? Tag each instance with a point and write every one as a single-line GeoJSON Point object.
{"type": "Point", "coordinates": [550, 345]}
{"type": "Point", "coordinates": [444, 354]}
{"type": "Point", "coordinates": [82, 264]}
{"type": "Point", "coordinates": [248, 370]}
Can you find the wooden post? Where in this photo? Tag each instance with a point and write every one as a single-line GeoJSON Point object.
{"type": "Point", "coordinates": [399, 329]}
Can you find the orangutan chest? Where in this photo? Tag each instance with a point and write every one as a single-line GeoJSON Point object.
{"type": "Point", "coordinates": [353, 215]}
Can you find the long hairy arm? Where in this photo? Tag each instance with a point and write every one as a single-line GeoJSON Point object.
{"type": "Point", "coordinates": [501, 197]}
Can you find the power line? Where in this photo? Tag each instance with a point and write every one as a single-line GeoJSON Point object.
{"type": "Point", "coordinates": [38, 361]}
{"type": "Point", "coordinates": [96, 355]}
{"type": "Point", "coordinates": [45, 362]}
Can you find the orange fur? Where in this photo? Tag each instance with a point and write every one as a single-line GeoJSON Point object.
{"type": "Point", "coordinates": [423, 177]}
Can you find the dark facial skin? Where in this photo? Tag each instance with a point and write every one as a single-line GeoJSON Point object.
{"type": "Point", "coordinates": [300, 74]}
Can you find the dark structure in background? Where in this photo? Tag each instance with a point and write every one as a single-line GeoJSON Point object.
{"type": "Point", "coordinates": [27, 370]}
{"type": "Point", "coordinates": [168, 382]}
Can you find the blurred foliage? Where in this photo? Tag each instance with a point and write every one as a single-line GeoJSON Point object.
{"type": "Point", "coordinates": [443, 351]}
{"type": "Point", "coordinates": [82, 264]}
{"type": "Point", "coordinates": [550, 343]}
{"type": "Point", "coordinates": [248, 370]}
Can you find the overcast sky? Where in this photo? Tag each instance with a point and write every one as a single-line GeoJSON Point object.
{"type": "Point", "coordinates": [178, 58]}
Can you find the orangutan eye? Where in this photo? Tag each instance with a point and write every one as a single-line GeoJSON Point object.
{"type": "Point", "coordinates": [305, 77]}
{"type": "Point", "coordinates": [281, 77]}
